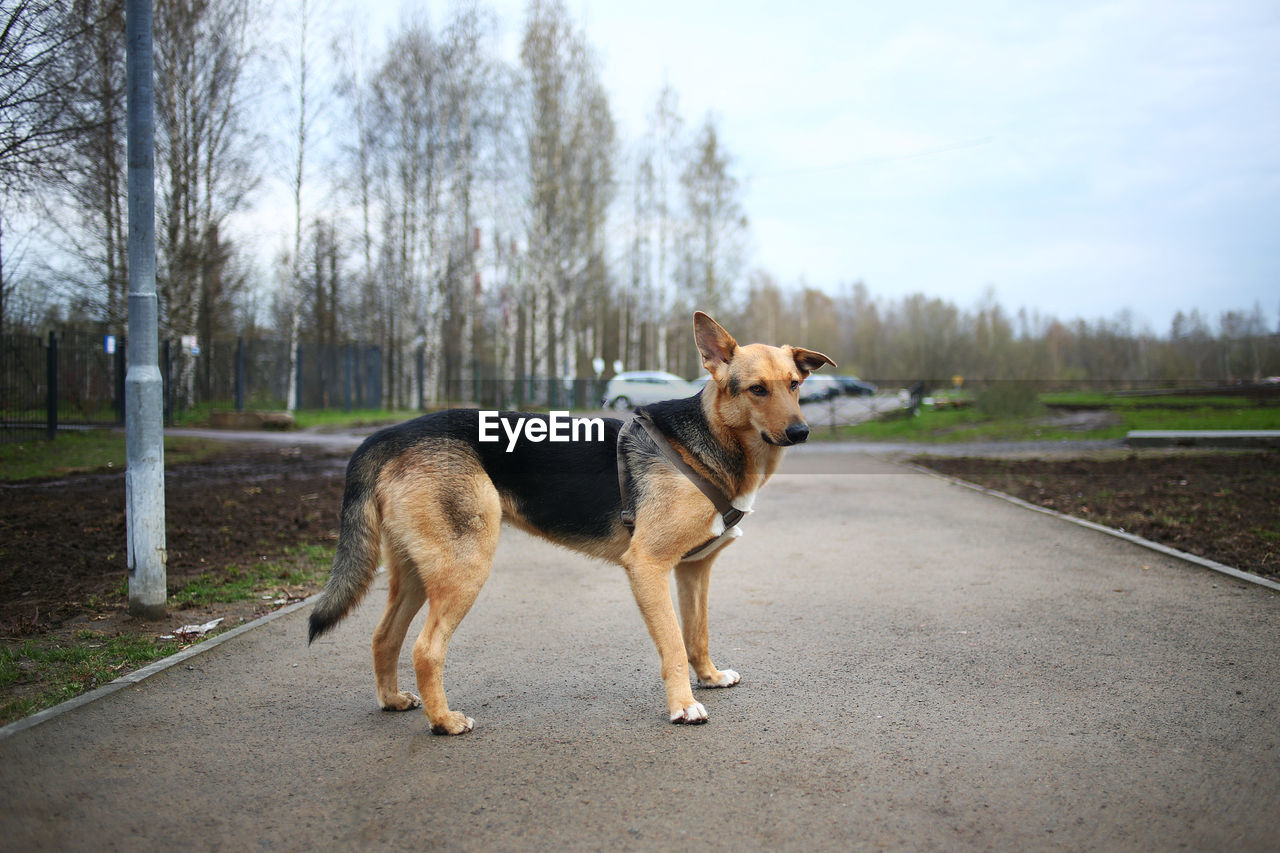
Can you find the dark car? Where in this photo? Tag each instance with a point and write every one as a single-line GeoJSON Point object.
{"type": "Point", "coordinates": [852, 386]}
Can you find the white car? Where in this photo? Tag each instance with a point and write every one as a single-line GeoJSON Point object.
{"type": "Point", "coordinates": [817, 387]}
{"type": "Point", "coordinates": [641, 387]}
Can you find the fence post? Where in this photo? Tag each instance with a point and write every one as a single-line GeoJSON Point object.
{"type": "Point", "coordinates": [239, 373]}
{"type": "Point", "coordinates": [422, 383]}
{"type": "Point", "coordinates": [346, 397]}
{"type": "Point", "coordinates": [166, 378]}
{"type": "Point", "coordinates": [51, 387]}
{"type": "Point", "coordinates": [120, 373]}
{"type": "Point", "coordinates": [297, 400]}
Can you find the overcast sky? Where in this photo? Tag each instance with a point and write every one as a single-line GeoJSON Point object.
{"type": "Point", "coordinates": [1078, 158]}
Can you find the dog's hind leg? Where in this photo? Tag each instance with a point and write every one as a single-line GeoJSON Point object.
{"type": "Point", "coordinates": [404, 599]}
{"type": "Point", "coordinates": [693, 581]}
{"type": "Point", "coordinates": [452, 582]}
{"type": "Point", "coordinates": [451, 597]}
{"type": "Point", "coordinates": [441, 517]}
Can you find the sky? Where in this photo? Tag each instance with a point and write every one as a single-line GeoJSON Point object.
{"type": "Point", "coordinates": [1072, 158]}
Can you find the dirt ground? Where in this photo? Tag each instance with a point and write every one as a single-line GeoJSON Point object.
{"type": "Point", "coordinates": [1224, 505]}
{"type": "Point", "coordinates": [62, 558]}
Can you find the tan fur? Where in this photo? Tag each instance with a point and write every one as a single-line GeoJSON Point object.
{"type": "Point", "coordinates": [439, 515]}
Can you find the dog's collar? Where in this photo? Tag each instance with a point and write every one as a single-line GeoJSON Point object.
{"type": "Point", "coordinates": [730, 514]}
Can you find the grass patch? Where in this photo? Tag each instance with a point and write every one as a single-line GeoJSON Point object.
{"type": "Point", "coordinates": [339, 419]}
{"type": "Point", "coordinates": [1099, 400]}
{"type": "Point", "coordinates": [55, 671]}
{"type": "Point", "coordinates": [1204, 417]}
{"type": "Point", "coordinates": [41, 672]}
{"type": "Point", "coordinates": [956, 425]}
{"type": "Point", "coordinates": [299, 566]}
{"type": "Point", "coordinates": [201, 414]}
{"type": "Point", "coordinates": [995, 422]}
{"type": "Point", "coordinates": [90, 450]}
{"type": "Point", "coordinates": [1269, 534]}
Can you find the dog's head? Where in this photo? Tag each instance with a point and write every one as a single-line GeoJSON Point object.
{"type": "Point", "coordinates": [757, 385]}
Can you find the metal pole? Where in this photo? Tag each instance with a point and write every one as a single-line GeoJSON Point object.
{"type": "Point", "coordinates": [51, 387]}
{"type": "Point", "coordinates": [144, 404]}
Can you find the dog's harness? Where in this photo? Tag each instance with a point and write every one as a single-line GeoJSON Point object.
{"type": "Point", "coordinates": [729, 513]}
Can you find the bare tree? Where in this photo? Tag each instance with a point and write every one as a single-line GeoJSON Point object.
{"type": "Point", "coordinates": [715, 226]}
{"type": "Point", "coordinates": [38, 67]}
{"type": "Point", "coordinates": [90, 204]}
{"type": "Point", "coordinates": [304, 104]}
{"type": "Point", "coordinates": [665, 130]}
{"type": "Point", "coordinates": [21, 305]}
{"type": "Point", "coordinates": [406, 158]}
{"type": "Point", "coordinates": [570, 139]}
{"type": "Point", "coordinates": [356, 179]}
{"type": "Point", "coordinates": [635, 303]}
{"type": "Point", "coordinates": [35, 69]}
{"type": "Point", "coordinates": [474, 118]}
{"type": "Point", "coordinates": [205, 153]}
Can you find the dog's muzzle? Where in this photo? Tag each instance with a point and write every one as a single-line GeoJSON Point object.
{"type": "Point", "coordinates": [797, 433]}
{"type": "Point", "coordinates": [794, 434]}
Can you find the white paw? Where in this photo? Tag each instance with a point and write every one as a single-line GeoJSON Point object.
{"type": "Point", "coordinates": [402, 702]}
{"type": "Point", "coordinates": [695, 714]}
{"type": "Point", "coordinates": [455, 723]}
{"type": "Point", "coordinates": [728, 678]}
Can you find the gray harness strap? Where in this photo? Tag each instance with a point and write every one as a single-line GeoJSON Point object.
{"type": "Point", "coordinates": [730, 514]}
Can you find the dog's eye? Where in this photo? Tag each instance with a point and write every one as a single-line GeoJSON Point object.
{"type": "Point", "coordinates": [794, 384]}
{"type": "Point", "coordinates": [759, 390]}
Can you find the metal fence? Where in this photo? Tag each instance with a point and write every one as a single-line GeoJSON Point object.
{"type": "Point", "coordinates": [253, 373]}
{"type": "Point", "coordinates": [68, 380]}
{"type": "Point", "coordinates": [74, 380]}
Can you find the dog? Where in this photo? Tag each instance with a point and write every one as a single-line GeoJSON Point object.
{"type": "Point", "coordinates": [429, 496]}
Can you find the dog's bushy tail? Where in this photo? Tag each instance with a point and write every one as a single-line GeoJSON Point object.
{"type": "Point", "coordinates": [359, 546]}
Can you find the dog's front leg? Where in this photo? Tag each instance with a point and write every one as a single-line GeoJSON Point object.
{"type": "Point", "coordinates": [693, 580]}
{"type": "Point", "coordinates": [650, 585]}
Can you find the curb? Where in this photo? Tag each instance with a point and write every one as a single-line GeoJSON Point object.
{"type": "Point", "coordinates": [1203, 562]}
{"type": "Point", "coordinates": [147, 671]}
{"type": "Point", "coordinates": [1209, 438]}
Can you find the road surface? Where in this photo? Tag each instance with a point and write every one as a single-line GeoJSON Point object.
{"type": "Point", "coordinates": [923, 668]}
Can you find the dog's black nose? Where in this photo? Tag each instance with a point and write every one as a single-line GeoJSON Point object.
{"type": "Point", "coordinates": [797, 433]}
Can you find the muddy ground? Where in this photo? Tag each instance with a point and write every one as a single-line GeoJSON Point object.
{"type": "Point", "coordinates": [62, 558]}
{"type": "Point", "coordinates": [1224, 505]}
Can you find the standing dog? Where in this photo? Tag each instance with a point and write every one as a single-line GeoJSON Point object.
{"type": "Point", "coordinates": [429, 496]}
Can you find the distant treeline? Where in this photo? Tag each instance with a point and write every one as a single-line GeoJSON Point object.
{"type": "Point", "coordinates": [918, 337]}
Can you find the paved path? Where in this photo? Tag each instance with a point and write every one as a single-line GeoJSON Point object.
{"type": "Point", "coordinates": [924, 668]}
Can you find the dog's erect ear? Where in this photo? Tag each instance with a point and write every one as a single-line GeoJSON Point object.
{"type": "Point", "coordinates": [808, 360]}
{"type": "Point", "coordinates": [715, 344]}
